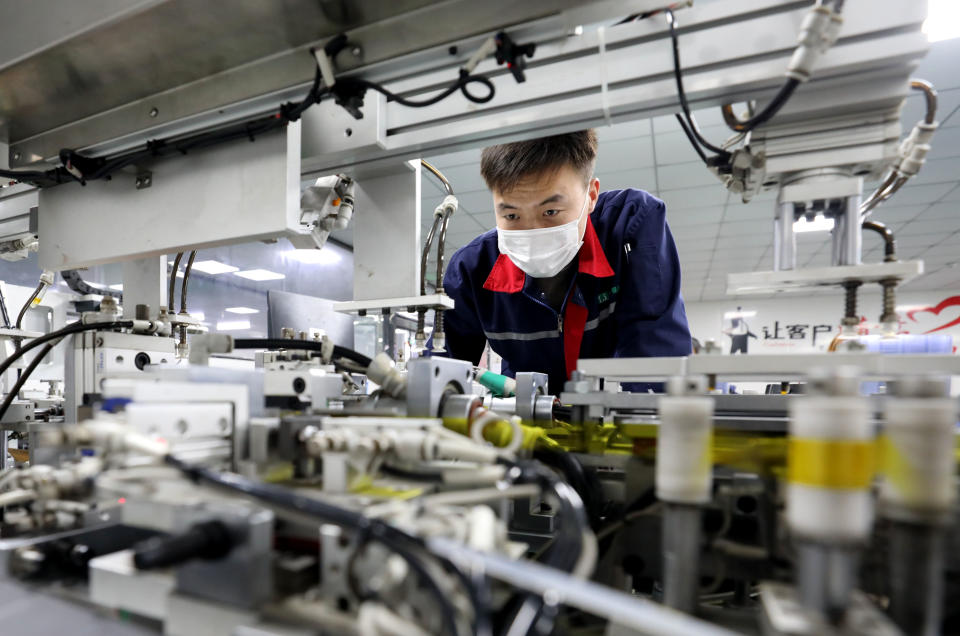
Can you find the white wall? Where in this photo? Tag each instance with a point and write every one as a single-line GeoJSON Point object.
{"type": "Point", "coordinates": [824, 312]}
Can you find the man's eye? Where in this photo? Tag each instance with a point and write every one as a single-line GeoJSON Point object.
{"type": "Point", "coordinates": [510, 217]}
{"type": "Point", "coordinates": [551, 213]}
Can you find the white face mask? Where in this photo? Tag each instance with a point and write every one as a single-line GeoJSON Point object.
{"type": "Point", "coordinates": [543, 252]}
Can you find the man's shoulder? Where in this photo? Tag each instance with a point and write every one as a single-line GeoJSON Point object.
{"type": "Point", "coordinates": [628, 212]}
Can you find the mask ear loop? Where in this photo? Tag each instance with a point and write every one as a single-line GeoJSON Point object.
{"type": "Point", "coordinates": [604, 98]}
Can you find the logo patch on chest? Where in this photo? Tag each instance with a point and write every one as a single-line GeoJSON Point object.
{"type": "Point", "coordinates": [603, 297]}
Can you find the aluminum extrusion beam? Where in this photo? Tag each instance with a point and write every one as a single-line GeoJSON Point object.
{"type": "Point", "coordinates": [769, 367]}
{"type": "Point", "coordinates": [142, 69]}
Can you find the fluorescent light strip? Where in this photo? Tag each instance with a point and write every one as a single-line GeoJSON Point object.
{"type": "Point", "coordinates": [213, 267]}
{"type": "Point", "coordinates": [259, 275]}
{"type": "Point", "coordinates": [818, 224]}
{"type": "Point", "coordinates": [242, 310]}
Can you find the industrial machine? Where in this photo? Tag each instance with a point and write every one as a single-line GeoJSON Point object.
{"type": "Point", "coordinates": [325, 491]}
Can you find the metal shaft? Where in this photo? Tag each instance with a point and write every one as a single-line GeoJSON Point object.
{"type": "Point", "coordinates": [681, 556]}
{"type": "Point", "coordinates": [784, 239]}
{"type": "Point", "coordinates": [916, 577]}
{"type": "Point", "coordinates": [847, 234]}
{"type": "Point", "coordinates": [826, 576]}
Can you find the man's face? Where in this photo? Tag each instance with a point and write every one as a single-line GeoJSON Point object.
{"type": "Point", "coordinates": [546, 200]}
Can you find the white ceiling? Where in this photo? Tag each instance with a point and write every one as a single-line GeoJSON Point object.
{"type": "Point", "coordinates": [717, 234]}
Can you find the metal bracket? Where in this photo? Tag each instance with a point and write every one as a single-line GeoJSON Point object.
{"type": "Point", "coordinates": [530, 385]}
{"type": "Point", "coordinates": [144, 180]}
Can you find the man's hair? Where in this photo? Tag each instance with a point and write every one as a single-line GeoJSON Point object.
{"type": "Point", "coordinates": [502, 166]}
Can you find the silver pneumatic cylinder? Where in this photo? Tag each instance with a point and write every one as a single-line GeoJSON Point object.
{"type": "Point", "coordinates": [917, 496]}
{"type": "Point", "coordinates": [683, 483]}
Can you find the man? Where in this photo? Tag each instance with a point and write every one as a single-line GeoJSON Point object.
{"type": "Point", "coordinates": [569, 272]}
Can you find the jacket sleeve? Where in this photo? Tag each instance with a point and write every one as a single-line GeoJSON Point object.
{"type": "Point", "coordinates": [465, 337]}
{"type": "Point", "coordinates": [651, 318]}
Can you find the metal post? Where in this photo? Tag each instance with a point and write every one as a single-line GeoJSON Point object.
{"type": "Point", "coordinates": [145, 283]}
{"type": "Point", "coordinates": [847, 234]}
{"type": "Point", "coordinates": [784, 240]}
{"type": "Point", "coordinates": [916, 577]}
{"type": "Point", "coordinates": [386, 234]}
{"type": "Point", "coordinates": [826, 576]}
{"type": "Point", "coordinates": [681, 556]}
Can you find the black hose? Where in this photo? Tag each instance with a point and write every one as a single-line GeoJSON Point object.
{"type": "Point", "coordinates": [208, 540]}
{"type": "Point", "coordinates": [764, 115]}
{"type": "Point", "coordinates": [441, 246]}
{"type": "Point", "coordinates": [585, 483]}
{"type": "Point", "coordinates": [395, 539]}
{"type": "Point", "coordinates": [309, 345]}
{"type": "Point", "coordinates": [26, 305]}
{"type": "Point", "coordinates": [889, 241]}
{"type": "Point", "coordinates": [567, 546]}
{"type": "Point", "coordinates": [13, 392]}
{"type": "Point", "coordinates": [70, 329]}
{"type": "Point", "coordinates": [424, 255]}
{"type": "Point", "coordinates": [186, 277]}
{"type": "Point", "coordinates": [348, 85]}
{"type": "Point", "coordinates": [693, 141]}
{"type": "Point", "coordinates": [172, 289]}
{"type": "Point", "coordinates": [44, 339]}
{"type": "Point", "coordinates": [681, 93]}
{"type": "Point", "coordinates": [75, 282]}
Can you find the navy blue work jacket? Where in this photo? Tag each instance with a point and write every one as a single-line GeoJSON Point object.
{"type": "Point", "coordinates": [623, 302]}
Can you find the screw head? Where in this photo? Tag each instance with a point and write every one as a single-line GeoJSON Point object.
{"type": "Point", "coordinates": [17, 155]}
{"type": "Point", "coordinates": [357, 51]}
{"type": "Point", "coordinates": [154, 112]}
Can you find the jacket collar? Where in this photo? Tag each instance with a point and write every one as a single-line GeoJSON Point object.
{"type": "Point", "coordinates": [507, 277]}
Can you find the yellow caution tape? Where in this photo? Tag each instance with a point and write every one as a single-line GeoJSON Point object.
{"type": "Point", "coordinates": [829, 463]}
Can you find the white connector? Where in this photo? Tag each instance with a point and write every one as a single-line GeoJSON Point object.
{"type": "Point", "coordinates": [819, 31]}
{"type": "Point", "coordinates": [489, 47]}
{"type": "Point", "coordinates": [449, 205]}
{"type": "Point", "coordinates": [382, 371]}
{"type": "Point", "coordinates": [913, 150]}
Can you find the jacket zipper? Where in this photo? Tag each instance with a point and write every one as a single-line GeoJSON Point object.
{"type": "Point", "coordinates": [563, 307]}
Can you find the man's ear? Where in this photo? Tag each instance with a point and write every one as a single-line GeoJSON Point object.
{"type": "Point", "coordinates": [593, 190]}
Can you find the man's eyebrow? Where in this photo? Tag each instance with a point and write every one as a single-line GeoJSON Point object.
{"type": "Point", "coordinates": [505, 206]}
{"type": "Point", "coordinates": [555, 198]}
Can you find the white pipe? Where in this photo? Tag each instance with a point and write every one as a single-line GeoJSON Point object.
{"type": "Point", "coordinates": [478, 496]}
{"type": "Point", "coordinates": [12, 497]}
{"type": "Point", "coordinates": [560, 588]}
